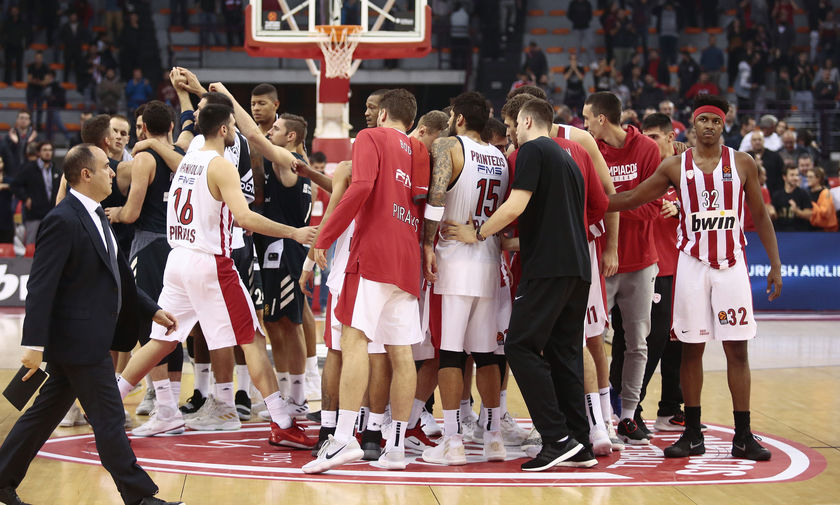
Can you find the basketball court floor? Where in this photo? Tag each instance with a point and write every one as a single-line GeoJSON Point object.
{"type": "Point", "coordinates": [795, 406]}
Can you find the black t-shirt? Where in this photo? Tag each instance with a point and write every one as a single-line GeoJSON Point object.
{"type": "Point", "coordinates": [291, 206]}
{"type": "Point", "coordinates": [552, 233]}
{"type": "Point", "coordinates": [786, 220]}
{"type": "Point", "coordinates": [38, 72]}
{"type": "Point", "coordinates": [153, 213]}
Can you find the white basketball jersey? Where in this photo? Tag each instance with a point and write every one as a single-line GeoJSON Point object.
{"type": "Point", "coordinates": [194, 219]}
{"type": "Point", "coordinates": [473, 269]}
{"type": "Point", "coordinates": [564, 131]}
{"type": "Point", "coordinates": [340, 258]}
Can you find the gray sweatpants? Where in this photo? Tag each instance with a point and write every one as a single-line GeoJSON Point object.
{"type": "Point", "coordinates": [633, 293]}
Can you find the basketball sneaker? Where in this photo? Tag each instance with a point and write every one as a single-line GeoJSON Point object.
{"type": "Point", "coordinates": [494, 446]}
{"type": "Point", "coordinates": [165, 421]}
{"type": "Point", "coordinates": [617, 444]}
{"type": "Point", "coordinates": [642, 425]}
{"type": "Point", "coordinates": [333, 454]}
{"type": "Point", "coordinates": [673, 423]}
{"type": "Point", "coordinates": [371, 445]}
{"type": "Point", "coordinates": [208, 402]}
{"type": "Point", "coordinates": [512, 433]}
{"type": "Point", "coordinates": [258, 408]}
{"type": "Point", "coordinates": [322, 437]}
{"type": "Point", "coordinates": [295, 410]}
{"type": "Point", "coordinates": [243, 405]}
{"type": "Point", "coordinates": [629, 433]}
{"type": "Point", "coordinates": [690, 443]}
{"type": "Point", "coordinates": [194, 402]}
{"type": "Point", "coordinates": [391, 460]}
{"type": "Point", "coordinates": [74, 417]}
{"type": "Point", "coordinates": [747, 447]}
{"type": "Point", "coordinates": [600, 440]}
{"type": "Point", "coordinates": [315, 417]}
{"type": "Point", "coordinates": [416, 440]}
{"type": "Point", "coordinates": [218, 417]}
{"type": "Point", "coordinates": [532, 445]}
{"type": "Point", "coordinates": [471, 431]}
{"type": "Point", "coordinates": [552, 454]}
{"type": "Point", "coordinates": [583, 459]}
{"type": "Point", "coordinates": [450, 452]}
{"type": "Point", "coordinates": [294, 436]}
{"type": "Point", "coordinates": [147, 404]}
{"type": "Point", "coordinates": [430, 426]}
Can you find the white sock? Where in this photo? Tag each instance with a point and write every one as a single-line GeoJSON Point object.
{"type": "Point", "coordinates": [503, 401]}
{"type": "Point", "coordinates": [375, 422]}
{"type": "Point", "coordinates": [344, 426]}
{"type": "Point", "coordinates": [312, 365]}
{"type": "Point", "coordinates": [163, 393]}
{"type": "Point", "coordinates": [149, 384]}
{"type": "Point", "coordinates": [606, 408]}
{"type": "Point", "coordinates": [296, 388]}
{"type": "Point", "coordinates": [283, 383]}
{"type": "Point", "coordinates": [224, 393]}
{"type": "Point", "coordinates": [175, 387]}
{"type": "Point", "coordinates": [416, 410]}
{"type": "Point", "coordinates": [276, 409]}
{"type": "Point", "coordinates": [123, 386]}
{"type": "Point", "coordinates": [466, 410]}
{"type": "Point", "coordinates": [364, 412]}
{"type": "Point", "coordinates": [491, 418]}
{"type": "Point", "coordinates": [396, 440]}
{"type": "Point", "coordinates": [202, 378]}
{"type": "Point", "coordinates": [451, 422]}
{"type": "Point", "coordinates": [243, 378]}
{"type": "Point", "coordinates": [329, 418]}
{"type": "Point", "coordinates": [593, 411]}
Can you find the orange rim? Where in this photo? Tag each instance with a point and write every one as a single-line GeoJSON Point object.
{"type": "Point", "coordinates": [338, 33]}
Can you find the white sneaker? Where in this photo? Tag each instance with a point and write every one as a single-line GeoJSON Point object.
{"type": "Point", "coordinates": [74, 417]}
{"type": "Point", "coordinates": [391, 460]}
{"type": "Point", "coordinates": [312, 386]}
{"type": "Point", "coordinates": [295, 410]}
{"type": "Point", "coordinates": [532, 445]}
{"type": "Point", "coordinates": [615, 442]}
{"type": "Point", "coordinates": [449, 452]}
{"type": "Point", "coordinates": [494, 446]}
{"type": "Point", "coordinates": [333, 454]}
{"type": "Point", "coordinates": [600, 440]}
{"type": "Point", "coordinates": [173, 424]}
{"type": "Point", "coordinates": [472, 432]}
{"type": "Point", "coordinates": [208, 402]}
{"type": "Point", "coordinates": [430, 426]}
{"type": "Point", "coordinates": [258, 408]}
{"type": "Point", "coordinates": [512, 433]}
{"type": "Point", "coordinates": [219, 417]}
{"type": "Point", "coordinates": [148, 404]}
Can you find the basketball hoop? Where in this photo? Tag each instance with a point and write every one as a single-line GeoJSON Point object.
{"type": "Point", "coordinates": [337, 43]}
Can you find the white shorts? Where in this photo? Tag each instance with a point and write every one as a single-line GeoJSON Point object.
{"type": "Point", "coordinates": [385, 313]}
{"type": "Point", "coordinates": [206, 289]}
{"type": "Point", "coordinates": [332, 330]}
{"type": "Point", "coordinates": [468, 323]}
{"type": "Point", "coordinates": [712, 304]}
{"type": "Point", "coordinates": [596, 308]}
{"type": "Point", "coordinates": [426, 348]}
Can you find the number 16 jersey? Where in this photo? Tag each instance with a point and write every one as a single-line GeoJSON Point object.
{"type": "Point", "coordinates": [473, 269]}
{"type": "Point", "coordinates": [194, 219]}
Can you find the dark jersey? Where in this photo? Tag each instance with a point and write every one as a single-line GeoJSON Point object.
{"type": "Point", "coordinates": [153, 213]}
{"type": "Point", "coordinates": [124, 232]}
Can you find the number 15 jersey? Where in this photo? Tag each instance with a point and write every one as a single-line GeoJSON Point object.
{"type": "Point", "coordinates": [473, 269]}
{"type": "Point", "coordinates": [194, 219]}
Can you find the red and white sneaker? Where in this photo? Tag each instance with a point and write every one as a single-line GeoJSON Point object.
{"type": "Point", "coordinates": [293, 437]}
{"type": "Point", "coordinates": [416, 440]}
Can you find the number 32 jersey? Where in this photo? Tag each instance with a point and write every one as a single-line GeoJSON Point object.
{"type": "Point", "coordinates": [194, 219]}
{"type": "Point", "coordinates": [473, 269]}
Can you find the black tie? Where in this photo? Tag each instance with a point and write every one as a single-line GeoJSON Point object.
{"type": "Point", "coordinates": [112, 253]}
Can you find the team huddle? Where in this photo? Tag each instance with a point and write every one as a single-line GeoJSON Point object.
{"type": "Point", "coordinates": [460, 240]}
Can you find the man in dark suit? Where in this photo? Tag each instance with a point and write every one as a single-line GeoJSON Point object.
{"type": "Point", "coordinates": [82, 302]}
{"type": "Point", "coordinates": [37, 186]}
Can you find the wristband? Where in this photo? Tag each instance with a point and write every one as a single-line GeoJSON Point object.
{"type": "Point", "coordinates": [187, 115]}
{"type": "Point", "coordinates": [433, 213]}
{"type": "Point", "coordinates": [189, 128]}
{"type": "Point", "coordinates": [308, 264]}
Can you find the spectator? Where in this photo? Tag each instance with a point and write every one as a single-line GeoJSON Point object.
{"type": "Point", "coordinates": [735, 35]}
{"type": "Point", "coordinates": [50, 15]}
{"type": "Point", "coordinates": [826, 91]}
{"type": "Point", "coordinates": [522, 79]}
{"type": "Point", "coordinates": [113, 18]}
{"type": "Point", "coordinates": [667, 107]}
{"type": "Point", "coordinates": [805, 141]}
{"type": "Point", "coordinates": [829, 31]}
{"type": "Point", "coordinates": [771, 161]}
{"type": "Point", "coordinates": [36, 187]}
{"type": "Point", "coordinates": [731, 129]}
{"type": "Point", "coordinates": [772, 141]}
{"type": "Point", "coordinates": [782, 96]}
{"type": "Point", "coordinates": [789, 151]}
{"type": "Point", "coordinates": [803, 77]}
{"type": "Point", "coordinates": [834, 73]}
{"type": "Point", "coordinates": [580, 14]}
{"type": "Point", "coordinates": [669, 23]}
{"type": "Point", "coordinates": [756, 13]}
{"type": "Point", "coordinates": [108, 57]}
{"type": "Point", "coordinates": [575, 92]}
{"type": "Point", "coordinates": [823, 215]}
{"type": "Point", "coordinates": [650, 95]}
{"type": "Point", "coordinates": [749, 225]}
{"type": "Point", "coordinates": [535, 61]}
{"type": "Point", "coordinates": [130, 43]}
{"type": "Point", "coordinates": [609, 22]}
{"type": "Point", "coordinates": [565, 115]}
{"type": "Point", "coordinates": [76, 139]}
{"type": "Point", "coordinates": [603, 75]}
{"type": "Point", "coordinates": [712, 59]}
{"type": "Point", "coordinates": [781, 127]}
{"type": "Point", "coordinates": [784, 32]}
{"type": "Point", "coordinates": [109, 92]}
{"type": "Point", "coordinates": [15, 142]}
{"type": "Point", "coordinates": [36, 73]}
{"type": "Point", "coordinates": [621, 90]}
{"type": "Point", "coordinates": [641, 18]}
{"type": "Point", "coordinates": [688, 72]}
{"type": "Point", "coordinates": [73, 35]}
{"type": "Point", "coordinates": [745, 87]}
{"type": "Point", "coordinates": [704, 86]}
{"type": "Point", "coordinates": [178, 15]}
{"type": "Point", "coordinates": [14, 37]}
{"type": "Point", "coordinates": [7, 223]}
{"type": "Point", "coordinates": [441, 10]}
{"type": "Point", "coordinates": [658, 68]}
{"type": "Point", "coordinates": [56, 99]}
{"type": "Point", "coordinates": [459, 22]}
{"type": "Point", "coordinates": [166, 93]}
{"type": "Point", "coordinates": [792, 203]}
{"type": "Point", "coordinates": [207, 11]}
{"type": "Point", "coordinates": [234, 23]}
{"type": "Point", "coordinates": [805, 163]}
{"type": "Point", "coordinates": [137, 91]}
{"type": "Point", "coordinates": [690, 136]}
{"type": "Point", "coordinates": [624, 39]}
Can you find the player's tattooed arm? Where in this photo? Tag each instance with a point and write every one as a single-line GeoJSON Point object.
{"type": "Point", "coordinates": [440, 179]}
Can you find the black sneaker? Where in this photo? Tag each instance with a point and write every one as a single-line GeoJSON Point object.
{"type": "Point", "coordinates": [629, 433]}
{"type": "Point", "coordinates": [315, 417]}
{"type": "Point", "coordinates": [689, 444]}
{"type": "Point", "coordinates": [323, 433]}
{"type": "Point", "coordinates": [372, 445]}
{"type": "Point", "coordinates": [194, 403]}
{"type": "Point", "coordinates": [583, 459]}
{"type": "Point", "coordinates": [640, 423]}
{"type": "Point", "coordinates": [747, 447]}
{"type": "Point", "coordinates": [552, 453]}
{"type": "Point", "coordinates": [9, 495]}
{"type": "Point", "coordinates": [243, 405]}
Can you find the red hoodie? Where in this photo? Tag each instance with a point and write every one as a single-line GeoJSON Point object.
{"type": "Point", "coordinates": [629, 165]}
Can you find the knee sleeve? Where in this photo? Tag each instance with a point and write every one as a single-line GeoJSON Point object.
{"type": "Point", "coordinates": [418, 364]}
{"type": "Point", "coordinates": [452, 359]}
{"type": "Point", "coordinates": [483, 359]}
{"type": "Point", "coordinates": [190, 348]}
{"type": "Point", "coordinates": [175, 360]}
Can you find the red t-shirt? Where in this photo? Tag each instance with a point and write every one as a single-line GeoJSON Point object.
{"type": "Point", "coordinates": [630, 165]}
{"type": "Point", "coordinates": [386, 197]}
{"type": "Point", "coordinates": [665, 238]}
{"type": "Point", "coordinates": [749, 225]}
{"type": "Point", "coordinates": [679, 127]}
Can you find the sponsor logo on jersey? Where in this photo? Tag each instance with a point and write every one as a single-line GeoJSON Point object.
{"type": "Point", "coordinates": [182, 233]}
{"type": "Point", "coordinates": [489, 170]}
{"type": "Point", "coordinates": [626, 172]}
{"type": "Point", "coordinates": [405, 215]}
{"type": "Point", "coordinates": [689, 174]}
{"type": "Point", "coordinates": [727, 173]}
{"type": "Point", "coordinates": [487, 159]}
{"type": "Point", "coordinates": [722, 318]}
{"type": "Point", "coordinates": [713, 220]}
{"type": "Point", "coordinates": [403, 178]}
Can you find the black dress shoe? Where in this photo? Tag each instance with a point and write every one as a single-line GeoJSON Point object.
{"type": "Point", "coordinates": [151, 500]}
{"type": "Point", "coordinates": [8, 496]}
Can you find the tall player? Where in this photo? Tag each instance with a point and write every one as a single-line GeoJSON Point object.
{"type": "Point", "coordinates": [379, 299]}
{"type": "Point", "coordinates": [469, 181]}
{"type": "Point", "coordinates": [712, 296]}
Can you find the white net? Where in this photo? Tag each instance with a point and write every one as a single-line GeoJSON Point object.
{"type": "Point", "coordinates": [338, 45]}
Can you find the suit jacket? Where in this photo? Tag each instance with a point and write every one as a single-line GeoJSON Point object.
{"type": "Point", "coordinates": [71, 306]}
{"type": "Point", "coordinates": [30, 184]}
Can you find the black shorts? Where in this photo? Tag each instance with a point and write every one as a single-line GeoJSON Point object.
{"type": "Point", "coordinates": [148, 266]}
{"type": "Point", "coordinates": [283, 297]}
{"type": "Point", "coordinates": [245, 262]}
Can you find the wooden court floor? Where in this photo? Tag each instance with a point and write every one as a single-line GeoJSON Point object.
{"type": "Point", "coordinates": [796, 380]}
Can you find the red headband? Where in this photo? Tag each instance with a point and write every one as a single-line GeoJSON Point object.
{"type": "Point", "coordinates": [717, 111]}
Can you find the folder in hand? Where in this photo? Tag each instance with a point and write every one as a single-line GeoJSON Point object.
{"type": "Point", "coordinates": [19, 392]}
